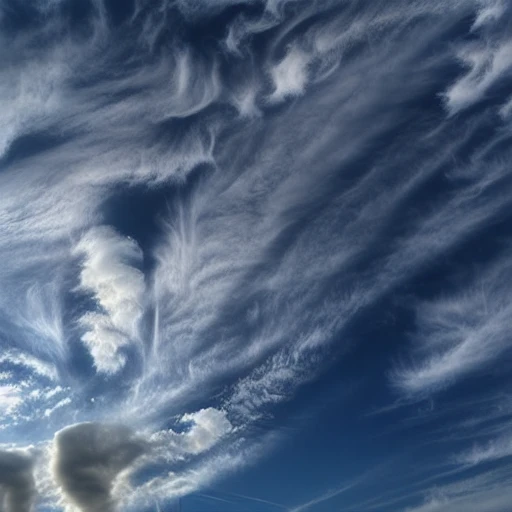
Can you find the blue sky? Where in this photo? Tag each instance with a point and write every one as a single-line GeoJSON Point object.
{"type": "Point", "coordinates": [256, 255]}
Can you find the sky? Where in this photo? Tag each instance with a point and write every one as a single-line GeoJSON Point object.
{"type": "Point", "coordinates": [256, 255]}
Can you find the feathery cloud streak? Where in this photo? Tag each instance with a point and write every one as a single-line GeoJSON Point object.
{"type": "Point", "coordinates": [190, 219]}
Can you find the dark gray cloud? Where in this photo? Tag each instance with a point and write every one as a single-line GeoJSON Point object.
{"type": "Point", "coordinates": [17, 487]}
{"type": "Point", "coordinates": [89, 457]}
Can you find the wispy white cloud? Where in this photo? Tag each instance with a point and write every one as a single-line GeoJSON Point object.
{"type": "Point", "coordinates": [486, 57]}
{"type": "Point", "coordinates": [10, 398]}
{"type": "Point", "coordinates": [30, 94]}
{"type": "Point", "coordinates": [58, 405]}
{"type": "Point", "coordinates": [490, 11]}
{"type": "Point", "coordinates": [489, 491]}
{"type": "Point", "coordinates": [494, 449]}
{"type": "Point", "coordinates": [486, 66]}
{"type": "Point", "coordinates": [261, 265]}
{"type": "Point", "coordinates": [460, 334]}
{"type": "Point", "coordinates": [332, 493]}
{"type": "Point", "coordinates": [175, 484]}
{"type": "Point", "coordinates": [28, 401]}
{"type": "Point", "coordinates": [30, 362]}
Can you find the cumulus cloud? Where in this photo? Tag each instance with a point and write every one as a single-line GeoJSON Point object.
{"type": "Point", "coordinates": [110, 272]}
{"type": "Point", "coordinates": [92, 462]}
{"type": "Point", "coordinates": [89, 458]}
{"type": "Point", "coordinates": [17, 486]}
{"type": "Point", "coordinates": [207, 427]}
{"type": "Point", "coordinates": [193, 86]}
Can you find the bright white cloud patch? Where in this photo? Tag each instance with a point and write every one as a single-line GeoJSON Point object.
{"type": "Point", "coordinates": [206, 428]}
{"type": "Point", "coordinates": [290, 75]}
{"type": "Point", "coordinates": [110, 272]}
{"type": "Point", "coordinates": [486, 67]}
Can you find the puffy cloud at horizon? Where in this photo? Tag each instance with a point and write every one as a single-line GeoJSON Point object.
{"type": "Point", "coordinates": [89, 458]}
{"type": "Point", "coordinates": [93, 463]}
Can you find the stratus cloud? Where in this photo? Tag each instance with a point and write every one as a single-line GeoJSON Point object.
{"type": "Point", "coordinates": [17, 486]}
{"type": "Point", "coordinates": [92, 461]}
{"type": "Point", "coordinates": [89, 458]}
{"type": "Point", "coordinates": [110, 272]}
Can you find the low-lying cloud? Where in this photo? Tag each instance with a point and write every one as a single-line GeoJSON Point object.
{"type": "Point", "coordinates": [17, 485]}
{"type": "Point", "coordinates": [89, 459]}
